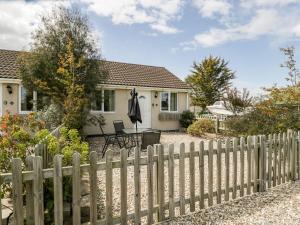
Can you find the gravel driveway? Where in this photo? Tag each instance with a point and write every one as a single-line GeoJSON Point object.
{"type": "Point", "coordinates": [279, 205]}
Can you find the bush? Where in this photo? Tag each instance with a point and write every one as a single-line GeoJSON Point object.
{"type": "Point", "coordinates": [266, 120]}
{"type": "Point", "coordinates": [201, 126]}
{"type": "Point", "coordinates": [52, 116]}
{"type": "Point", "coordinates": [186, 119]}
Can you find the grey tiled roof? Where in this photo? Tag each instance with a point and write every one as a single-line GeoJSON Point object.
{"type": "Point", "coordinates": [9, 64]}
{"type": "Point", "coordinates": [118, 73]}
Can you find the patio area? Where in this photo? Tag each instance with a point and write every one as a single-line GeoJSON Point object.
{"type": "Point", "coordinates": [96, 143]}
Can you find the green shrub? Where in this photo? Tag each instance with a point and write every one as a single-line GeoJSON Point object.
{"type": "Point", "coordinates": [262, 121]}
{"type": "Point", "coordinates": [201, 126]}
{"type": "Point", "coordinates": [186, 118]}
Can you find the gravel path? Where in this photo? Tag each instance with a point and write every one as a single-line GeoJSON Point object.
{"type": "Point", "coordinates": [279, 205]}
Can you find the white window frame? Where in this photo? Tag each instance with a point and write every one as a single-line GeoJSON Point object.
{"type": "Point", "coordinates": [169, 101]}
{"type": "Point", "coordinates": [34, 99]}
{"type": "Point", "coordinates": [102, 103]}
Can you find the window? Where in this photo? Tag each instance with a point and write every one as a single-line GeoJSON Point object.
{"type": "Point", "coordinates": [109, 100]}
{"type": "Point", "coordinates": [26, 100]}
{"type": "Point", "coordinates": [97, 101]}
{"type": "Point", "coordinates": [173, 102]}
{"type": "Point", "coordinates": [168, 101]}
{"type": "Point", "coordinates": [103, 101]}
{"type": "Point", "coordinates": [164, 101]}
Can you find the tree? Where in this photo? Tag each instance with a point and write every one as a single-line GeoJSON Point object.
{"type": "Point", "coordinates": [290, 64]}
{"type": "Point", "coordinates": [64, 63]}
{"type": "Point", "coordinates": [209, 80]}
{"type": "Point", "coordinates": [237, 101]}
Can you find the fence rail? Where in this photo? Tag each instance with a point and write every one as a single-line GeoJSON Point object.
{"type": "Point", "coordinates": [263, 162]}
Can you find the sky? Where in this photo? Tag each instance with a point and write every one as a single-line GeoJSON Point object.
{"type": "Point", "coordinates": [175, 33]}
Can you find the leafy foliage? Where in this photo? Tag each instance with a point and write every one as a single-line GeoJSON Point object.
{"type": "Point", "coordinates": [237, 101]}
{"type": "Point", "coordinates": [64, 63]}
{"type": "Point", "coordinates": [51, 115]}
{"type": "Point", "coordinates": [265, 118]}
{"type": "Point", "coordinates": [199, 127]}
{"type": "Point", "coordinates": [20, 135]}
{"type": "Point", "coordinates": [186, 118]}
{"type": "Point", "coordinates": [209, 80]}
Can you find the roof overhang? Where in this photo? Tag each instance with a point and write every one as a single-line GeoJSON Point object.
{"type": "Point", "coordinates": [10, 80]}
{"type": "Point", "coordinates": [114, 86]}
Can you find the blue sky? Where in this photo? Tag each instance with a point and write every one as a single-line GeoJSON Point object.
{"type": "Point", "coordinates": [175, 33]}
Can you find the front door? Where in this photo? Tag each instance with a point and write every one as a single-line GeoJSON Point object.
{"type": "Point", "coordinates": [144, 98]}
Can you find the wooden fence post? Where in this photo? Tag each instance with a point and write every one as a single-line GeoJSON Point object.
{"type": "Point", "coordinates": [256, 164]}
{"type": "Point", "coordinates": [279, 158]}
{"type": "Point", "coordinates": [275, 148]}
{"type": "Point", "coordinates": [29, 194]}
{"type": "Point", "coordinates": [161, 184]}
{"type": "Point", "coordinates": [210, 173]}
{"type": "Point", "coordinates": [123, 177]}
{"type": "Point", "coordinates": [108, 188]}
{"type": "Point", "coordinates": [294, 156]}
{"type": "Point", "coordinates": [270, 160]}
{"type": "Point", "coordinates": [217, 125]}
{"type": "Point", "coordinates": [76, 190]}
{"type": "Point", "coordinates": [219, 171]}
{"type": "Point", "coordinates": [155, 177]}
{"type": "Point", "coordinates": [284, 155]}
{"type": "Point", "coordinates": [171, 181]}
{"type": "Point", "coordinates": [137, 186]}
{"type": "Point", "coordinates": [234, 159]}
{"type": "Point", "coordinates": [93, 187]}
{"type": "Point", "coordinates": [182, 179]}
{"type": "Point", "coordinates": [192, 176]}
{"type": "Point", "coordinates": [262, 164]}
{"type": "Point", "coordinates": [227, 168]}
{"type": "Point", "coordinates": [249, 165]}
{"type": "Point", "coordinates": [38, 190]}
{"type": "Point", "coordinates": [17, 191]}
{"type": "Point", "coordinates": [201, 174]}
{"type": "Point", "coordinates": [150, 184]}
{"type": "Point", "coordinates": [58, 190]}
{"type": "Point", "coordinates": [242, 166]}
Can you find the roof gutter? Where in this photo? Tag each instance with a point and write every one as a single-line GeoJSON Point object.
{"type": "Point", "coordinates": [114, 86]}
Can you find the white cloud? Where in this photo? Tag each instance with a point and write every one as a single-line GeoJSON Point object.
{"type": "Point", "coordinates": [265, 19]}
{"type": "Point", "coordinates": [18, 20]}
{"type": "Point", "coordinates": [264, 22]}
{"type": "Point", "coordinates": [210, 8]}
{"type": "Point", "coordinates": [266, 3]}
{"type": "Point", "coordinates": [157, 13]}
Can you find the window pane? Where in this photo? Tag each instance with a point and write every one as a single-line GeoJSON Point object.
{"type": "Point", "coordinates": [26, 100]}
{"type": "Point", "coordinates": [173, 103]}
{"type": "Point", "coordinates": [164, 101]}
{"type": "Point", "coordinates": [109, 100]}
{"type": "Point", "coordinates": [96, 103]}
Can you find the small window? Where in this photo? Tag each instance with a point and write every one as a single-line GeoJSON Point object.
{"type": "Point", "coordinates": [165, 101]}
{"type": "Point", "coordinates": [96, 104]}
{"type": "Point", "coordinates": [173, 102]}
{"type": "Point", "coordinates": [168, 101]}
{"type": "Point", "coordinates": [103, 101]}
{"type": "Point", "coordinates": [26, 100]}
{"type": "Point", "coordinates": [109, 100]}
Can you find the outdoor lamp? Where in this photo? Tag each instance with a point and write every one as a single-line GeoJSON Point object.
{"type": "Point", "coordinates": [155, 94]}
{"type": "Point", "coordinates": [9, 89]}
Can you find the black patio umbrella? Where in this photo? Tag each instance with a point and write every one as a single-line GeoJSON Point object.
{"type": "Point", "coordinates": [134, 112]}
